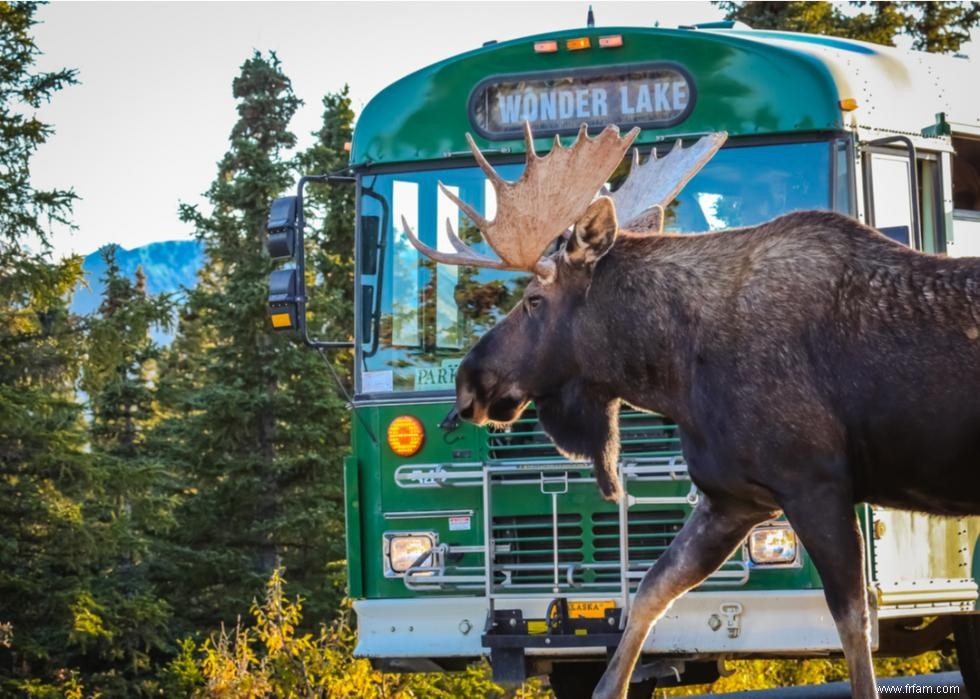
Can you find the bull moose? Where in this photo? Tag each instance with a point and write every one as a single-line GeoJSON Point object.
{"type": "Point", "coordinates": [810, 364]}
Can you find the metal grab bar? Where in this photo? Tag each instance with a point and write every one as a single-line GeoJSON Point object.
{"type": "Point", "coordinates": [552, 479]}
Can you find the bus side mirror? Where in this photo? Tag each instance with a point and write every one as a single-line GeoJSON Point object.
{"type": "Point", "coordinates": [283, 299]}
{"type": "Point", "coordinates": [281, 228]}
{"type": "Point", "coordinates": [284, 287]}
{"type": "Point", "coordinates": [287, 287]}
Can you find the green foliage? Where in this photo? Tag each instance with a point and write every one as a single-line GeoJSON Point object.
{"type": "Point", "coordinates": [941, 27]}
{"type": "Point", "coordinates": [123, 622]}
{"type": "Point", "coordinates": [251, 425]}
{"type": "Point", "coordinates": [45, 474]}
{"type": "Point", "coordinates": [938, 27]}
{"type": "Point", "coordinates": [24, 210]}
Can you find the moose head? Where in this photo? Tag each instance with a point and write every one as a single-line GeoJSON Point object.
{"type": "Point", "coordinates": [535, 353]}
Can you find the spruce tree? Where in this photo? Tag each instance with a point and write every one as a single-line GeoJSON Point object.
{"type": "Point", "coordinates": [45, 475]}
{"type": "Point", "coordinates": [131, 509]}
{"type": "Point", "coordinates": [330, 213]}
{"type": "Point", "coordinates": [247, 408]}
{"type": "Point", "coordinates": [938, 27]}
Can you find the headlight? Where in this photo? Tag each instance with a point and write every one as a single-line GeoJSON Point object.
{"type": "Point", "coordinates": [404, 550]}
{"type": "Point", "coordinates": [773, 543]}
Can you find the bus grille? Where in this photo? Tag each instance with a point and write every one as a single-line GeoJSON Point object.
{"type": "Point", "coordinates": [650, 533]}
{"type": "Point", "coordinates": [640, 434]}
{"type": "Point", "coordinates": [524, 549]}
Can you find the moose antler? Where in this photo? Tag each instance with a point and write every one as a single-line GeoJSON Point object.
{"type": "Point", "coordinates": [641, 200]}
{"type": "Point", "coordinates": [551, 195]}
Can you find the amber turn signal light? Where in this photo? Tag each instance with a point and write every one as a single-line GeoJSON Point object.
{"type": "Point", "coordinates": [578, 44]}
{"type": "Point", "coordinates": [281, 320]}
{"type": "Point", "coordinates": [848, 104]}
{"type": "Point", "coordinates": [406, 435]}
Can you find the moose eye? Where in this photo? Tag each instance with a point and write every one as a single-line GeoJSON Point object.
{"type": "Point", "coordinates": [533, 302]}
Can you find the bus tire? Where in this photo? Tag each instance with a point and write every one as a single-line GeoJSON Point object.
{"type": "Point", "coordinates": [966, 631]}
{"type": "Point", "coordinates": [578, 680]}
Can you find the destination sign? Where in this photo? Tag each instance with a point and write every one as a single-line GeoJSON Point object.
{"type": "Point", "coordinates": [648, 95]}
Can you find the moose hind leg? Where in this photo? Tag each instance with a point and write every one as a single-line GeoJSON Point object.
{"type": "Point", "coordinates": [706, 541]}
{"type": "Point", "coordinates": [825, 521]}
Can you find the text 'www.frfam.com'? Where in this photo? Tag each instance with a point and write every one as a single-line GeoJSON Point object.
{"type": "Point", "coordinates": [912, 688]}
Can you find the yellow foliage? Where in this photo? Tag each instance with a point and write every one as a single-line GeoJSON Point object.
{"type": "Point", "coordinates": [86, 622]}
{"type": "Point", "coordinates": [767, 674]}
{"type": "Point", "coordinates": [275, 659]}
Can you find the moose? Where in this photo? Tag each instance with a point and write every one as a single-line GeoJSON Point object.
{"type": "Point", "coordinates": [810, 364]}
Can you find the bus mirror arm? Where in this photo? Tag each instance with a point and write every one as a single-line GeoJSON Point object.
{"type": "Point", "coordinates": [331, 178]}
{"type": "Point", "coordinates": [300, 260]}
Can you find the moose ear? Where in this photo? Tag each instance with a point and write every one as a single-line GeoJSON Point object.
{"type": "Point", "coordinates": [593, 235]}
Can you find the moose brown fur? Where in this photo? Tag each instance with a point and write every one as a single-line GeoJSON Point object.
{"type": "Point", "coordinates": [810, 363]}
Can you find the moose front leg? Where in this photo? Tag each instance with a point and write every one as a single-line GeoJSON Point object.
{"type": "Point", "coordinates": [825, 521]}
{"type": "Point", "coordinates": [702, 545]}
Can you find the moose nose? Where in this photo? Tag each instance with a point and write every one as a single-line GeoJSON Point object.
{"type": "Point", "coordinates": [467, 393]}
{"type": "Point", "coordinates": [469, 407]}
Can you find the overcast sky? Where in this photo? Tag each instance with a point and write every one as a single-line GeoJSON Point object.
{"type": "Point", "coordinates": [150, 118]}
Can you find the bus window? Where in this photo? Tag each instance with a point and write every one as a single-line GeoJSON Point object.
{"type": "Point", "coordinates": [405, 282]}
{"type": "Point", "coordinates": [749, 186]}
{"type": "Point", "coordinates": [430, 314]}
{"type": "Point", "coordinates": [966, 198]}
{"type": "Point", "coordinates": [844, 178]}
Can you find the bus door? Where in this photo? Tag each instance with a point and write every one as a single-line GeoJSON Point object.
{"type": "Point", "coordinates": [965, 240]}
{"type": "Point", "coordinates": [904, 193]}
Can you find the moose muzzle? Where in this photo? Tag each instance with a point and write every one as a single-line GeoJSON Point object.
{"type": "Point", "coordinates": [482, 397]}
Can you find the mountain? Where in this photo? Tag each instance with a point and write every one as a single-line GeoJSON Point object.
{"type": "Point", "coordinates": [169, 267]}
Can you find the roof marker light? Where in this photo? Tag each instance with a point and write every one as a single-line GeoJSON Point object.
{"type": "Point", "coordinates": [546, 46]}
{"type": "Point", "coordinates": [578, 44]}
{"type": "Point", "coordinates": [610, 42]}
{"type": "Point", "coordinates": [848, 104]}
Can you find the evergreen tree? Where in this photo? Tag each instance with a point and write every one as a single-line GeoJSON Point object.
{"type": "Point", "coordinates": [45, 474]}
{"type": "Point", "coordinates": [939, 27]}
{"type": "Point", "coordinates": [331, 224]}
{"type": "Point", "coordinates": [330, 213]}
{"type": "Point", "coordinates": [247, 409]}
{"type": "Point", "coordinates": [131, 508]}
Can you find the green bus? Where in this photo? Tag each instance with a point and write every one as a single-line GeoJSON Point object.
{"type": "Point", "coordinates": [467, 542]}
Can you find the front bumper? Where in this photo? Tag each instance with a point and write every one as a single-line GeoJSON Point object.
{"type": "Point", "coordinates": [698, 624]}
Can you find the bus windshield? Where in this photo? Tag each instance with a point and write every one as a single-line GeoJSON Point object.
{"type": "Point", "coordinates": [430, 315]}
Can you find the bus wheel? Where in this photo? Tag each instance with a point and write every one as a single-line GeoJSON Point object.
{"type": "Point", "coordinates": [966, 631]}
{"type": "Point", "coordinates": [578, 680]}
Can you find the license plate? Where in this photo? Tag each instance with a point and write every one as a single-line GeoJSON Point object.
{"type": "Point", "coordinates": [590, 609]}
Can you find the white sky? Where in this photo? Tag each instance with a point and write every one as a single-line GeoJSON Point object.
{"type": "Point", "coordinates": [150, 118]}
